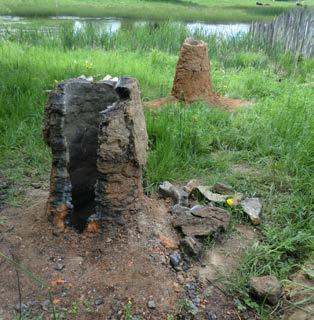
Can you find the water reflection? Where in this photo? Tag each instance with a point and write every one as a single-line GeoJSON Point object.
{"type": "Point", "coordinates": [108, 26]}
{"type": "Point", "coordinates": [10, 18]}
{"type": "Point", "coordinates": [112, 25]}
{"type": "Point", "coordinates": [225, 30]}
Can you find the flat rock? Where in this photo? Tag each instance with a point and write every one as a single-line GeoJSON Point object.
{"type": "Point", "coordinates": [180, 210]}
{"type": "Point", "coordinates": [166, 189]}
{"type": "Point", "coordinates": [266, 288]}
{"type": "Point", "coordinates": [192, 184]}
{"type": "Point", "coordinates": [107, 77]}
{"type": "Point", "coordinates": [211, 196]}
{"type": "Point", "coordinates": [208, 211]}
{"type": "Point", "coordinates": [222, 188]}
{"type": "Point", "coordinates": [252, 207]}
{"type": "Point", "coordinates": [169, 190]}
{"type": "Point", "coordinates": [213, 222]}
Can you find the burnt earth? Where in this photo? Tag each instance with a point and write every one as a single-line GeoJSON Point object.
{"type": "Point", "coordinates": [97, 134]}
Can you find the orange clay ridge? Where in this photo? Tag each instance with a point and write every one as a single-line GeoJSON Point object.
{"type": "Point", "coordinates": [192, 80]}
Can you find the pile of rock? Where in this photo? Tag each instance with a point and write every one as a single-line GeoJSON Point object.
{"type": "Point", "coordinates": [222, 193]}
{"type": "Point", "coordinates": [208, 220]}
{"type": "Point", "coordinates": [194, 221]}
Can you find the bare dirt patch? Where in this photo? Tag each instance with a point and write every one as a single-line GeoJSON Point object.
{"type": "Point", "coordinates": [227, 104]}
{"type": "Point", "coordinates": [244, 169]}
{"type": "Point", "coordinates": [299, 304]}
{"type": "Point", "coordinates": [95, 277]}
{"type": "Point", "coordinates": [224, 257]}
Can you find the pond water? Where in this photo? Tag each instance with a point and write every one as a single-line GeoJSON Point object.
{"type": "Point", "coordinates": [114, 24]}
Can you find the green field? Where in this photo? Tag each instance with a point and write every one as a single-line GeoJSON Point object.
{"type": "Point", "coordinates": [188, 10]}
{"type": "Point", "coordinates": [271, 140]}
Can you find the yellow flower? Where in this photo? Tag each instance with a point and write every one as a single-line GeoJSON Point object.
{"type": "Point", "coordinates": [88, 65]}
{"type": "Point", "coordinates": [230, 202]}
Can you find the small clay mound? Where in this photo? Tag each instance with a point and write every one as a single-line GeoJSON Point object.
{"type": "Point", "coordinates": [192, 81]}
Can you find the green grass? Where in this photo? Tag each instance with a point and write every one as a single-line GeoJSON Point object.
{"type": "Point", "coordinates": [273, 138]}
{"type": "Point", "coordinates": [190, 10]}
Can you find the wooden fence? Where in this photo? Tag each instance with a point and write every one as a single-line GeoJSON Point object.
{"type": "Point", "coordinates": [292, 31]}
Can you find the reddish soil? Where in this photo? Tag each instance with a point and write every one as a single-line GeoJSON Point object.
{"type": "Point", "coordinates": [157, 103]}
{"type": "Point", "coordinates": [192, 81]}
{"type": "Point", "coordinates": [230, 104]}
{"type": "Point", "coordinates": [99, 274]}
{"type": "Point", "coordinates": [227, 104]}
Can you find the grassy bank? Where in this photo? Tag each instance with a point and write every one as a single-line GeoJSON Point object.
{"type": "Point", "coordinates": [189, 10]}
{"type": "Point", "coordinates": [265, 150]}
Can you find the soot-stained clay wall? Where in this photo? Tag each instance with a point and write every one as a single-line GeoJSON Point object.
{"type": "Point", "coordinates": [97, 134]}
